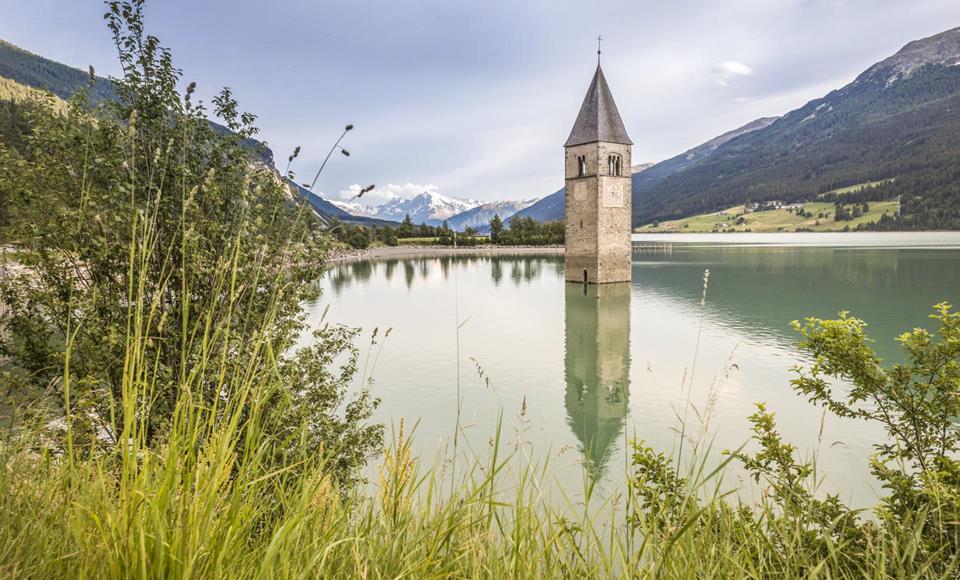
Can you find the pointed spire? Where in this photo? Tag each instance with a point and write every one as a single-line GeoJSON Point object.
{"type": "Point", "coordinates": [599, 119]}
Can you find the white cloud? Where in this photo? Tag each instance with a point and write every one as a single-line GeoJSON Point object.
{"type": "Point", "coordinates": [728, 70]}
{"type": "Point", "coordinates": [383, 194]}
{"type": "Point", "coordinates": [735, 68]}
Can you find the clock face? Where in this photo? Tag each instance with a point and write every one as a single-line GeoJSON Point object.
{"type": "Point", "coordinates": [580, 191]}
{"type": "Point", "coordinates": [613, 196]}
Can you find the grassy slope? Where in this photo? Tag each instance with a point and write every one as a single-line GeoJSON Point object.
{"type": "Point", "coordinates": [11, 90]}
{"type": "Point", "coordinates": [779, 220]}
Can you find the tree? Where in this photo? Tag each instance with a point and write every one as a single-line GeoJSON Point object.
{"type": "Point", "coordinates": [915, 402]}
{"type": "Point", "coordinates": [359, 239]}
{"type": "Point", "coordinates": [496, 228]}
{"type": "Point", "coordinates": [139, 219]}
{"type": "Point", "coordinates": [406, 228]}
{"type": "Point", "coordinates": [445, 235]}
{"type": "Point", "coordinates": [388, 236]}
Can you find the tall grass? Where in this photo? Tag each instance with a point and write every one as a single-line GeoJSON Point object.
{"type": "Point", "coordinates": [212, 501]}
{"type": "Point", "coordinates": [223, 494]}
{"type": "Point", "coordinates": [213, 488]}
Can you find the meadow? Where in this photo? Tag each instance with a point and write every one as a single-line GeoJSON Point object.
{"type": "Point", "coordinates": [773, 220]}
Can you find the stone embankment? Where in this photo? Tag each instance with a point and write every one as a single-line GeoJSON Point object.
{"type": "Point", "coordinates": [340, 255]}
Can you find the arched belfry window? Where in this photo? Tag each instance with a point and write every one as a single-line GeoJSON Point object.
{"type": "Point", "coordinates": [614, 165]}
{"type": "Point", "coordinates": [581, 165]}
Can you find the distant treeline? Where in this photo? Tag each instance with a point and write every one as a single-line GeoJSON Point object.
{"type": "Point", "coordinates": [517, 232]}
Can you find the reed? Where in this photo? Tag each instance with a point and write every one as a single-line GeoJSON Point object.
{"type": "Point", "coordinates": [211, 499]}
{"type": "Point", "coordinates": [183, 446]}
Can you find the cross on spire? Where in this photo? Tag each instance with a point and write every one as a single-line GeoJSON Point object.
{"type": "Point", "coordinates": [599, 40]}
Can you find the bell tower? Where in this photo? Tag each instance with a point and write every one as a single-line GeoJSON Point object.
{"type": "Point", "coordinates": [598, 191]}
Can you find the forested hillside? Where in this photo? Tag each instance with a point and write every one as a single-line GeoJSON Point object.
{"type": "Point", "coordinates": [41, 73]}
{"type": "Point", "coordinates": [26, 77]}
{"type": "Point", "coordinates": [897, 124]}
{"type": "Point", "coordinates": [899, 121]}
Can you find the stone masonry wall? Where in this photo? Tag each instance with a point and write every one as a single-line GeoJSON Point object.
{"type": "Point", "coordinates": [598, 215]}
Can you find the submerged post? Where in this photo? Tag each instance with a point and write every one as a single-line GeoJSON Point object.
{"type": "Point", "coordinates": [598, 191]}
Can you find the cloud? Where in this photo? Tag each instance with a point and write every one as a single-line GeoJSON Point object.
{"type": "Point", "coordinates": [730, 69]}
{"type": "Point", "coordinates": [381, 195]}
{"type": "Point", "coordinates": [435, 101]}
{"type": "Point", "coordinates": [734, 68]}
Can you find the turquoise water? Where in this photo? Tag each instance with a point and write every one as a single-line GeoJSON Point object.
{"type": "Point", "coordinates": [574, 372]}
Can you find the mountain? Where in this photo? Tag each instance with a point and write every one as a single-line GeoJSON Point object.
{"type": "Point", "coordinates": [698, 154]}
{"type": "Point", "coordinates": [21, 71]}
{"type": "Point", "coordinates": [549, 208]}
{"type": "Point", "coordinates": [355, 209]}
{"type": "Point", "coordinates": [427, 208]}
{"type": "Point", "coordinates": [897, 125]}
{"type": "Point", "coordinates": [329, 210]}
{"type": "Point", "coordinates": [552, 208]}
{"type": "Point", "coordinates": [479, 217]}
{"type": "Point", "coordinates": [35, 71]}
{"type": "Point", "coordinates": [42, 73]}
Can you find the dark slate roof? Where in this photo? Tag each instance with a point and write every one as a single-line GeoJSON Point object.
{"type": "Point", "coordinates": [599, 119]}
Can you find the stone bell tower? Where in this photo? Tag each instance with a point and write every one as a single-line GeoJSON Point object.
{"type": "Point", "coordinates": [598, 188]}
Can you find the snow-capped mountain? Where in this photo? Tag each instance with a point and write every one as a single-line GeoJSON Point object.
{"type": "Point", "coordinates": [426, 208]}
{"type": "Point", "coordinates": [357, 209]}
{"type": "Point", "coordinates": [479, 217]}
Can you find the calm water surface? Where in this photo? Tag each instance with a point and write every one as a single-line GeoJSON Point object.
{"type": "Point", "coordinates": [600, 365]}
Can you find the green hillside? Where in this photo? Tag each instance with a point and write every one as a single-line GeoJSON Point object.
{"type": "Point", "coordinates": [42, 73]}
{"type": "Point", "coordinates": [897, 124]}
{"type": "Point", "coordinates": [736, 219]}
{"type": "Point", "coordinates": [15, 99]}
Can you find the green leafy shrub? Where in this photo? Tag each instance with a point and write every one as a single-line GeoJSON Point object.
{"type": "Point", "coordinates": [141, 204]}
{"type": "Point", "coordinates": [792, 532]}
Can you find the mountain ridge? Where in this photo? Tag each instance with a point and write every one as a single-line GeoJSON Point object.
{"type": "Point", "coordinates": [896, 124]}
{"type": "Point", "coordinates": [424, 208]}
{"type": "Point", "coordinates": [37, 72]}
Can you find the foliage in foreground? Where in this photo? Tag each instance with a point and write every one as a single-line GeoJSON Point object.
{"type": "Point", "coordinates": [213, 501]}
{"type": "Point", "coordinates": [196, 442]}
{"type": "Point", "coordinates": [138, 219]}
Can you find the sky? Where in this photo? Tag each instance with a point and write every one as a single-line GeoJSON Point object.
{"type": "Point", "coordinates": [474, 99]}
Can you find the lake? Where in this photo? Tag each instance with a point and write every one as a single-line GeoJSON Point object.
{"type": "Point", "coordinates": [575, 372]}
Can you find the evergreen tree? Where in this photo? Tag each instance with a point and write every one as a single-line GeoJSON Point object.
{"type": "Point", "coordinates": [406, 228]}
{"type": "Point", "coordinates": [496, 227]}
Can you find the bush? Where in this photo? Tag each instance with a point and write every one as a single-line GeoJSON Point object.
{"type": "Point", "coordinates": [359, 240]}
{"type": "Point", "coordinates": [154, 247]}
{"type": "Point", "coordinates": [794, 533]}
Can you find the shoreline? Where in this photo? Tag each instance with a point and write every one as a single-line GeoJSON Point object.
{"type": "Point", "coordinates": [382, 252]}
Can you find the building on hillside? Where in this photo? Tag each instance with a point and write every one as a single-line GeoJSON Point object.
{"type": "Point", "coordinates": [598, 190]}
{"type": "Point", "coordinates": [764, 206]}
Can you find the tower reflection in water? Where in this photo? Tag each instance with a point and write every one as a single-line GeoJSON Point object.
{"type": "Point", "coordinates": [597, 363]}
